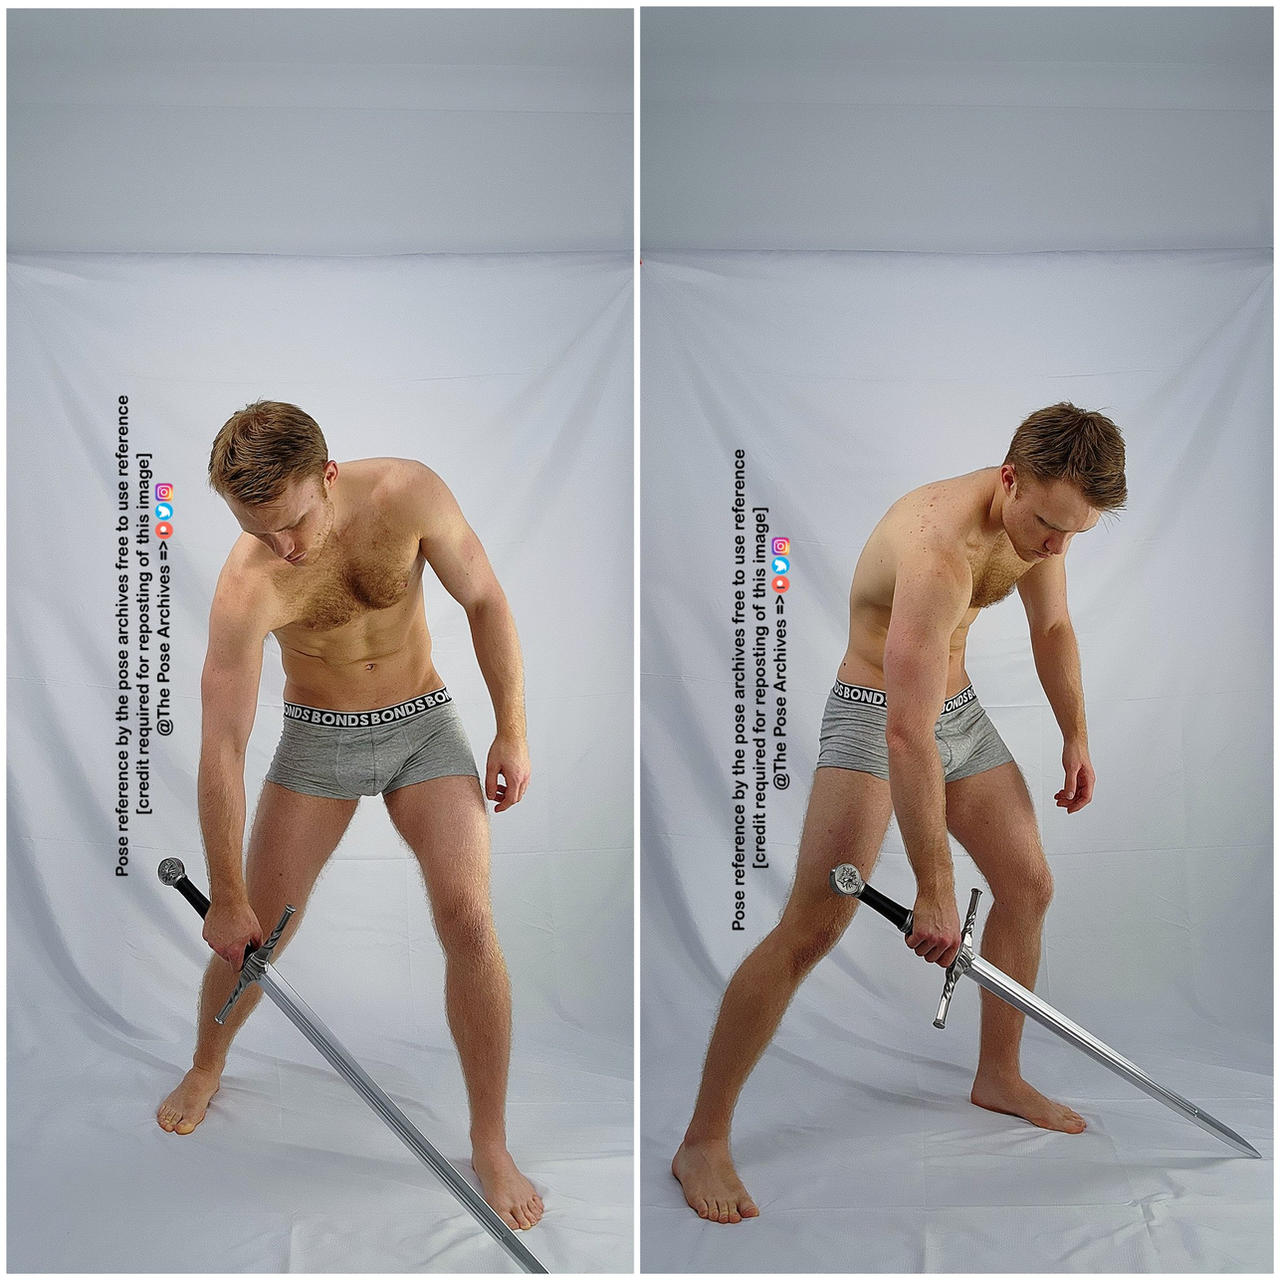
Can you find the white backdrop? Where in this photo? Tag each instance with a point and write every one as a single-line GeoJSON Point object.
{"type": "Point", "coordinates": [321, 131]}
{"type": "Point", "coordinates": [511, 376]}
{"type": "Point", "coordinates": [847, 379]}
{"type": "Point", "coordinates": [956, 128]}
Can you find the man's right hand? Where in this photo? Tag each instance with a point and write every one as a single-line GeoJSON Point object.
{"type": "Point", "coordinates": [935, 927]}
{"type": "Point", "coordinates": [231, 929]}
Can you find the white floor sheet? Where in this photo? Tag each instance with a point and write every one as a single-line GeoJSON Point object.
{"type": "Point", "coordinates": [510, 375]}
{"type": "Point", "coordinates": [848, 379]}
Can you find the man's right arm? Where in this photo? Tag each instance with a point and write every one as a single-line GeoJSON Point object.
{"type": "Point", "coordinates": [229, 698]}
{"type": "Point", "coordinates": [931, 595]}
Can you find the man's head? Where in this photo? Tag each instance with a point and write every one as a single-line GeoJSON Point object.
{"type": "Point", "coordinates": [1064, 468]}
{"type": "Point", "coordinates": [271, 465]}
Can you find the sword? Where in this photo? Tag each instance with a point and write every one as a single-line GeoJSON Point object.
{"type": "Point", "coordinates": [257, 968]}
{"type": "Point", "coordinates": [847, 880]}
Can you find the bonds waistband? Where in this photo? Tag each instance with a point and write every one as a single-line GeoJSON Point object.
{"type": "Point", "coordinates": [876, 697]}
{"type": "Point", "coordinates": [363, 719]}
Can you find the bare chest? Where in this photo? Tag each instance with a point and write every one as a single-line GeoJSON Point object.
{"type": "Point", "coordinates": [352, 587]}
{"type": "Point", "coordinates": [995, 577]}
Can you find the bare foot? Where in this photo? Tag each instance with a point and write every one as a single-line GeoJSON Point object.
{"type": "Point", "coordinates": [506, 1190]}
{"type": "Point", "coordinates": [711, 1183]}
{"type": "Point", "coordinates": [1017, 1098]}
{"type": "Point", "coordinates": [184, 1108]}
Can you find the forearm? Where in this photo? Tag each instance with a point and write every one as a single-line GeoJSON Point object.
{"type": "Point", "coordinates": [1057, 659]}
{"type": "Point", "coordinates": [919, 801]}
{"type": "Point", "coordinates": [493, 633]}
{"type": "Point", "coordinates": [221, 799]}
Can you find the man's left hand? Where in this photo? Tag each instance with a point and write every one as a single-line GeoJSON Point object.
{"type": "Point", "coordinates": [508, 759]}
{"type": "Point", "coordinates": [1077, 791]}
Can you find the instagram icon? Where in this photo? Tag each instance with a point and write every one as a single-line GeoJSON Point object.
{"type": "Point", "coordinates": [163, 492]}
{"type": "Point", "coordinates": [781, 546]}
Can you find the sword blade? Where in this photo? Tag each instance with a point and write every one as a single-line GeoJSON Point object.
{"type": "Point", "coordinates": [305, 1019]}
{"type": "Point", "coordinates": [1000, 984]}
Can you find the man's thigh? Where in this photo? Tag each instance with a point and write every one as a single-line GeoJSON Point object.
{"type": "Point", "coordinates": [443, 820]}
{"type": "Point", "coordinates": [846, 820]}
{"type": "Point", "coordinates": [292, 838]}
{"type": "Point", "coordinates": [991, 815]}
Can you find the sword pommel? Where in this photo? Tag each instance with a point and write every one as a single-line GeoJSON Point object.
{"type": "Point", "coordinates": [846, 879]}
{"type": "Point", "coordinates": [171, 871]}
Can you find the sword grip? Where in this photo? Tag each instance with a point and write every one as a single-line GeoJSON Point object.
{"type": "Point", "coordinates": [897, 915]}
{"type": "Point", "coordinates": [192, 895]}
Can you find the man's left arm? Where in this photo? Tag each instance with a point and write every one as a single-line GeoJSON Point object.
{"type": "Point", "coordinates": [1057, 657]}
{"type": "Point", "coordinates": [455, 555]}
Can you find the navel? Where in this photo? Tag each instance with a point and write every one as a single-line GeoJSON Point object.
{"type": "Point", "coordinates": [369, 666]}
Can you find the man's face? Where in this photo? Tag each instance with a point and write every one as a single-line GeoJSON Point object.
{"type": "Point", "coordinates": [1041, 517]}
{"type": "Point", "coordinates": [296, 525]}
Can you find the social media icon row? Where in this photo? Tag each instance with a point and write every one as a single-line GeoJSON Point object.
{"type": "Point", "coordinates": [164, 510]}
{"type": "Point", "coordinates": [781, 564]}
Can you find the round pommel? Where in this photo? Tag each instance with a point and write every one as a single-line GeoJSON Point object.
{"type": "Point", "coordinates": [171, 871]}
{"type": "Point", "coordinates": [847, 879]}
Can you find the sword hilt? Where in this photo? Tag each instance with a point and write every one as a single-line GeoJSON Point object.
{"type": "Point", "coordinates": [964, 958]}
{"type": "Point", "coordinates": [847, 880]}
{"type": "Point", "coordinates": [172, 872]}
{"type": "Point", "coordinates": [255, 964]}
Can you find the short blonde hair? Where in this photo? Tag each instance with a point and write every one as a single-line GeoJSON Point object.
{"type": "Point", "coordinates": [1085, 449]}
{"type": "Point", "coordinates": [262, 448]}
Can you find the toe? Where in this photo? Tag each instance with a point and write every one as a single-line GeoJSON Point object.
{"type": "Point", "coordinates": [184, 1127]}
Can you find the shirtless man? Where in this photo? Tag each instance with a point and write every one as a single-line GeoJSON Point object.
{"type": "Point", "coordinates": [330, 562]}
{"type": "Point", "coordinates": [904, 733]}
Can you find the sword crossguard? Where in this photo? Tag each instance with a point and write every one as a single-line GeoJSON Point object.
{"type": "Point", "coordinates": [964, 958]}
{"type": "Point", "coordinates": [255, 964]}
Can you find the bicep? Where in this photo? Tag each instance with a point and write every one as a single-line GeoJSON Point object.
{"type": "Point", "coordinates": [232, 672]}
{"type": "Point", "coordinates": [451, 546]}
{"type": "Point", "coordinates": [929, 602]}
{"type": "Point", "coordinates": [1043, 591]}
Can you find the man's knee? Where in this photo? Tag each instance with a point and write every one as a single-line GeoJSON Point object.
{"type": "Point", "coordinates": [1029, 891]}
{"type": "Point", "coordinates": [806, 939]}
{"type": "Point", "coordinates": [464, 924]}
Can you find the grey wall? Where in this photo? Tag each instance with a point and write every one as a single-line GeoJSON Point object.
{"type": "Point", "coordinates": [320, 131]}
{"type": "Point", "coordinates": [956, 129]}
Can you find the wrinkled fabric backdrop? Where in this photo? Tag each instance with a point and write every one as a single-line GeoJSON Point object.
{"type": "Point", "coordinates": [847, 379]}
{"type": "Point", "coordinates": [510, 375]}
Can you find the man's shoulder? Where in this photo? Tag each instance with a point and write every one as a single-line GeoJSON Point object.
{"type": "Point", "coordinates": [247, 589]}
{"type": "Point", "coordinates": [386, 480]}
{"type": "Point", "coordinates": [384, 470]}
{"type": "Point", "coordinates": [249, 568]}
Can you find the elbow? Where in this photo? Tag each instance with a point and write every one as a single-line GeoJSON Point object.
{"type": "Point", "coordinates": [223, 752]}
{"type": "Point", "coordinates": [1051, 630]}
{"type": "Point", "coordinates": [907, 736]}
{"type": "Point", "coordinates": [488, 604]}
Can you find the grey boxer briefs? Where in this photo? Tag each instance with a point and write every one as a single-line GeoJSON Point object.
{"type": "Point", "coordinates": [853, 726]}
{"type": "Point", "coordinates": [344, 754]}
